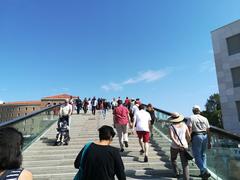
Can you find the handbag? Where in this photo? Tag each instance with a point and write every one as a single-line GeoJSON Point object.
{"type": "Point", "coordinates": [79, 174]}
{"type": "Point", "coordinates": [187, 152]}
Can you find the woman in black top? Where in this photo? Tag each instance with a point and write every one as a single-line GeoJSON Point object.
{"type": "Point", "coordinates": [102, 161]}
{"type": "Point", "coordinates": [11, 141]}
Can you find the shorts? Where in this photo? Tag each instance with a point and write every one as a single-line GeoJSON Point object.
{"type": "Point", "coordinates": [143, 134]}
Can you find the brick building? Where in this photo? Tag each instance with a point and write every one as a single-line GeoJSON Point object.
{"type": "Point", "coordinates": [11, 110]}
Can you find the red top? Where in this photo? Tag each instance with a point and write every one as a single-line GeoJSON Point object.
{"type": "Point", "coordinates": [121, 115]}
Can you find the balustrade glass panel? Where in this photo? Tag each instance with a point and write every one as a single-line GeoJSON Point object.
{"type": "Point", "coordinates": [34, 126]}
{"type": "Point", "coordinates": [223, 159]}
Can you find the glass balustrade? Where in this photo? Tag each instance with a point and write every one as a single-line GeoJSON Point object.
{"type": "Point", "coordinates": [33, 125]}
{"type": "Point", "coordinates": [223, 159]}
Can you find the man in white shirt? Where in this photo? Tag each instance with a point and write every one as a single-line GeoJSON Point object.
{"type": "Point", "coordinates": [66, 111]}
{"type": "Point", "coordinates": [64, 123]}
{"type": "Point", "coordinates": [142, 119]}
{"type": "Point", "coordinates": [201, 140]}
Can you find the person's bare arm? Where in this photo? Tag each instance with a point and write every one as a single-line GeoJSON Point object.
{"type": "Point", "coordinates": [25, 175]}
{"type": "Point", "coordinates": [209, 138]}
{"type": "Point", "coordinates": [188, 136]}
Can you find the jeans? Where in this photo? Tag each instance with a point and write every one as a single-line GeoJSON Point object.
{"type": "Point", "coordinates": [199, 147]}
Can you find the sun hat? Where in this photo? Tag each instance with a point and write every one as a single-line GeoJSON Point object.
{"type": "Point", "coordinates": [176, 117]}
{"type": "Point", "coordinates": [196, 107]}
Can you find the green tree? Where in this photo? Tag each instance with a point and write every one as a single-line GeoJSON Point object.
{"type": "Point", "coordinates": [213, 111]}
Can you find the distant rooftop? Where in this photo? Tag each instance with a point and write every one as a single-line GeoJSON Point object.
{"type": "Point", "coordinates": [23, 103]}
{"type": "Point", "coordinates": [60, 96]}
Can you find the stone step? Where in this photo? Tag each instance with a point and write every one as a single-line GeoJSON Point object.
{"type": "Point", "coordinates": [132, 174]}
{"type": "Point", "coordinates": [130, 165]}
{"type": "Point", "coordinates": [78, 147]}
{"type": "Point", "coordinates": [35, 154]}
{"type": "Point", "coordinates": [50, 143]}
{"type": "Point", "coordinates": [56, 162]}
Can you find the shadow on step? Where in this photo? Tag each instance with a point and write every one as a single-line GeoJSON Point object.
{"type": "Point", "coordinates": [47, 141]}
{"type": "Point", "coordinates": [149, 173]}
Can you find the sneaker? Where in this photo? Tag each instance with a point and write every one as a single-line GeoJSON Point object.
{"type": "Point", "coordinates": [206, 175]}
{"type": "Point", "coordinates": [141, 151]}
{"type": "Point", "coordinates": [145, 159]}
{"type": "Point", "coordinates": [126, 143]}
{"type": "Point", "coordinates": [121, 150]}
{"type": "Point", "coordinates": [65, 143]}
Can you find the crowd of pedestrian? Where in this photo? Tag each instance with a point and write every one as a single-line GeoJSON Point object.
{"type": "Point", "coordinates": [129, 115]}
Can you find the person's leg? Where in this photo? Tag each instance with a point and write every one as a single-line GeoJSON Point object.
{"type": "Point", "coordinates": [173, 154]}
{"type": "Point", "coordinates": [204, 156]}
{"type": "Point", "coordinates": [197, 151]}
{"type": "Point", "coordinates": [105, 113]}
{"type": "Point", "coordinates": [125, 134]}
{"type": "Point", "coordinates": [120, 135]}
{"type": "Point", "coordinates": [151, 130]}
{"type": "Point", "coordinates": [146, 137]}
{"type": "Point", "coordinates": [140, 141]}
{"type": "Point", "coordinates": [146, 148]}
{"type": "Point", "coordinates": [185, 167]}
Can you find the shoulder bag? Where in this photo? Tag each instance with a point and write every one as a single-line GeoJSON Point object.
{"type": "Point", "coordinates": [79, 174]}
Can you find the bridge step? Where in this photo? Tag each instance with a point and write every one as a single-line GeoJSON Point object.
{"type": "Point", "coordinates": [47, 161]}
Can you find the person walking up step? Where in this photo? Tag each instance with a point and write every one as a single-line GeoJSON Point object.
{"type": "Point", "coordinates": [142, 120]}
{"type": "Point", "coordinates": [100, 160]}
{"type": "Point", "coordinates": [121, 119]}
{"type": "Point", "coordinates": [180, 137]}
{"type": "Point", "coordinates": [201, 139]}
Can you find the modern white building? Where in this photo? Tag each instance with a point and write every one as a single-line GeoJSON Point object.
{"type": "Point", "coordinates": [226, 46]}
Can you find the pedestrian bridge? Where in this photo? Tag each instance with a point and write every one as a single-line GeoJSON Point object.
{"type": "Point", "coordinates": [47, 161]}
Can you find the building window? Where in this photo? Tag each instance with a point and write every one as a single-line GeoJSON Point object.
{"type": "Point", "coordinates": [25, 114]}
{"type": "Point", "coordinates": [18, 114]}
{"type": "Point", "coordinates": [26, 108]}
{"type": "Point", "coordinates": [33, 108]}
{"type": "Point", "coordinates": [238, 109]}
{"type": "Point", "coordinates": [236, 76]}
{"type": "Point", "coordinates": [19, 109]}
{"type": "Point", "coordinates": [233, 44]}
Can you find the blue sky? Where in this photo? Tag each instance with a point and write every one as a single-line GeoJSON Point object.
{"type": "Point", "coordinates": [158, 50]}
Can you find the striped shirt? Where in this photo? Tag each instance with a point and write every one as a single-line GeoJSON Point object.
{"type": "Point", "coordinates": [11, 174]}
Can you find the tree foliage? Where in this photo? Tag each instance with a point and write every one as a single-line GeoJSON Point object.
{"type": "Point", "coordinates": [213, 111]}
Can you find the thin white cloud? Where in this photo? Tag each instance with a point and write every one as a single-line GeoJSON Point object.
{"type": "Point", "coordinates": [112, 87]}
{"type": "Point", "coordinates": [147, 76]}
{"type": "Point", "coordinates": [207, 66]}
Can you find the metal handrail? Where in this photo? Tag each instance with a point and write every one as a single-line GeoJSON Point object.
{"type": "Point", "coordinates": [18, 119]}
{"type": "Point", "coordinates": [224, 133]}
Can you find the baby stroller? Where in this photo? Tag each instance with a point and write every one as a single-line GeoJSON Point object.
{"type": "Point", "coordinates": [62, 137]}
